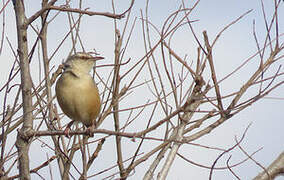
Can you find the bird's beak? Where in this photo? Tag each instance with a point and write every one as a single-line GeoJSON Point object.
{"type": "Point", "coordinates": [97, 58]}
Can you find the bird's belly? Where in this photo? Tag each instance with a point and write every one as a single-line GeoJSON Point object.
{"type": "Point", "coordinates": [80, 102]}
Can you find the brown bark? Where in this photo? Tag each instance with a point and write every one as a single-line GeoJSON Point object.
{"type": "Point", "coordinates": [22, 142]}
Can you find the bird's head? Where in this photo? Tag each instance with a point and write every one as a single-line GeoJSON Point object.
{"type": "Point", "coordinates": [80, 62]}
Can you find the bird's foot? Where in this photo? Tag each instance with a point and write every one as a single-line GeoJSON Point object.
{"type": "Point", "coordinates": [90, 131]}
{"type": "Point", "coordinates": [66, 132]}
{"type": "Point", "coordinates": [67, 129]}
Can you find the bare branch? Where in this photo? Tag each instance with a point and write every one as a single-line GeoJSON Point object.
{"type": "Point", "coordinates": [276, 168]}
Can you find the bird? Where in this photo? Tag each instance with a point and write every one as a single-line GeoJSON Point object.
{"type": "Point", "coordinates": [76, 91]}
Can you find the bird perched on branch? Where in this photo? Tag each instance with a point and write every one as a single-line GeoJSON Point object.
{"type": "Point", "coordinates": [76, 91]}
